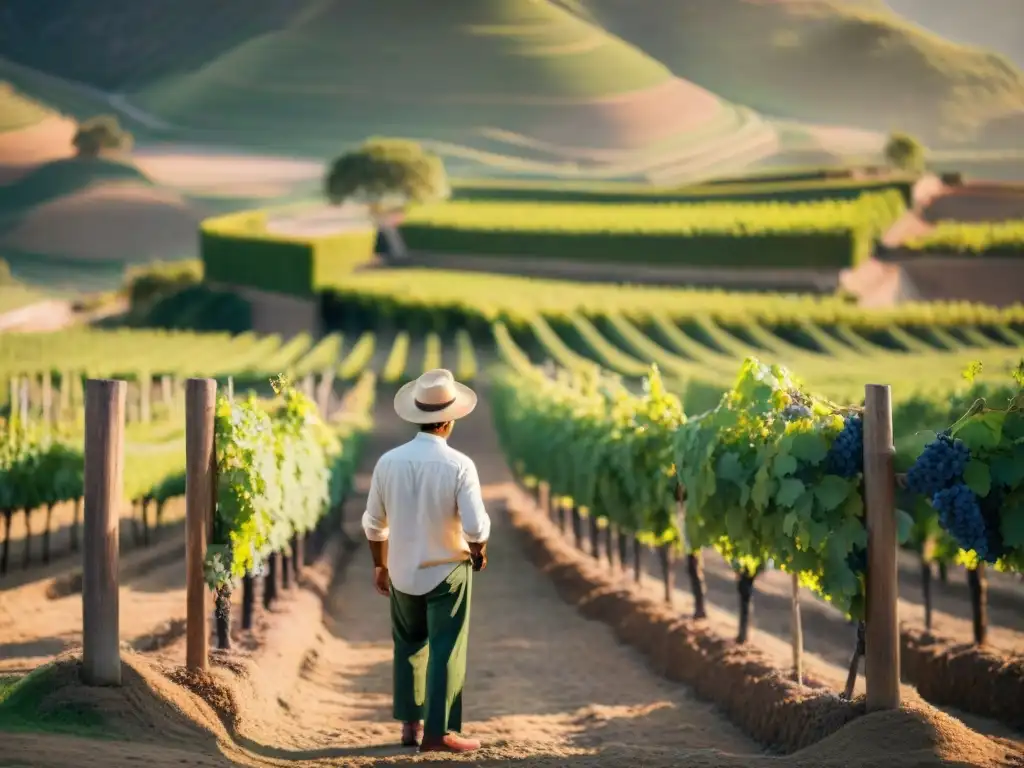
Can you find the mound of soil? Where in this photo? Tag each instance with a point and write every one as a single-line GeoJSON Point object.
{"type": "Point", "coordinates": [813, 725]}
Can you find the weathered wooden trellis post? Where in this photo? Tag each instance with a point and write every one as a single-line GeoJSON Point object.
{"type": "Point", "coordinates": [881, 635]}
{"type": "Point", "coordinates": [104, 488]}
{"type": "Point", "coordinates": [200, 489]}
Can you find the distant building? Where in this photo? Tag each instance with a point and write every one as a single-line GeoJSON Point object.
{"type": "Point", "coordinates": [903, 276]}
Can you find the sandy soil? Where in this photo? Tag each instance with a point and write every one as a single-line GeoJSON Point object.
{"type": "Point", "coordinates": [546, 687]}
{"type": "Point", "coordinates": [124, 221]}
{"type": "Point", "coordinates": [22, 150]}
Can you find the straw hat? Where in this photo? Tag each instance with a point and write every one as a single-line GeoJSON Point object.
{"type": "Point", "coordinates": [433, 398]}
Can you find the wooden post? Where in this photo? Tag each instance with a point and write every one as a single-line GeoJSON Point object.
{"type": "Point", "coordinates": [65, 395]}
{"type": "Point", "coordinates": [104, 488]}
{"type": "Point", "coordinates": [882, 632]}
{"type": "Point", "coordinates": [14, 398]}
{"type": "Point", "coordinates": [24, 399]}
{"type": "Point", "coordinates": [146, 398]}
{"type": "Point", "coordinates": [324, 394]}
{"type": "Point", "coordinates": [797, 630]}
{"type": "Point", "coordinates": [166, 392]}
{"type": "Point", "coordinates": [47, 397]}
{"type": "Point", "coordinates": [200, 486]}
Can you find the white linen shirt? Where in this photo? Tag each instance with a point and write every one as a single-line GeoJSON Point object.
{"type": "Point", "coordinates": [425, 501]}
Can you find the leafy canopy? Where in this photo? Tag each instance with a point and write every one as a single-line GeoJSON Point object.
{"type": "Point", "coordinates": [387, 169]}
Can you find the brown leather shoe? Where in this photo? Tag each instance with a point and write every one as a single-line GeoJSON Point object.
{"type": "Point", "coordinates": [411, 734]}
{"type": "Point", "coordinates": [449, 743]}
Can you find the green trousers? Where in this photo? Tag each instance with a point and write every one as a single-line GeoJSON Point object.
{"type": "Point", "coordinates": [431, 634]}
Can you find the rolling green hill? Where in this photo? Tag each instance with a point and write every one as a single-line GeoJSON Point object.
{"type": "Point", "coordinates": [514, 85]}
{"type": "Point", "coordinates": [848, 63]}
{"type": "Point", "coordinates": [65, 177]}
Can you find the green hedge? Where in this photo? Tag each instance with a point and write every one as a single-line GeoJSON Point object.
{"type": "Point", "coordinates": [789, 191]}
{"type": "Point", "coordinates": [237, 250]}
{"type": "Point", "coordinates": [821, 250]}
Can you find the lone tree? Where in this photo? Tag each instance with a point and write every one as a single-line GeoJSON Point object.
{"type": "Point", "coordinates": [101, 134]}
{"type": "Point", "coordinates": [905, 152]}
{"type": "Point", "coordinates": [386, 170]}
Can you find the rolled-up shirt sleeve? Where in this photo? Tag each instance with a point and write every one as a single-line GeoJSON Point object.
{"type": "Point", "coordinates": [375, 518]}
{"type": "Point", "coordinates": [476, 523]}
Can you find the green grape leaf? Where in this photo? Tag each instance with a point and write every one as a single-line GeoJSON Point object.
{"type": "Point", "coordinates": [1012, 523]}
{"type": "Point", "coordinates": [809, 447]}
{"type": "Point", "coordinates": [784, 465]}
{"type": "Point", "coordinates": [760, 494]}
{"type": "Point", "coordinates": [789, 523]}
{"type": "Point", "coordinates": [1013, 427]}
{"type": "Point", "coordinates": [789, 491]}
{"type": "Point", "coordinates": [1008, 470]}
{"type": "Point", "coordinates": [832, 491]}
{"type": "Point", "coordinates": [982, 431]}
{"type": "Point", "coordinates": [910, 447]}
{"type": "Point", "coordinates": [730, 468]}
{"type": "Point", "coordinates": [904, 526]}
{"type": "Point", "coordinates": [978, 477]}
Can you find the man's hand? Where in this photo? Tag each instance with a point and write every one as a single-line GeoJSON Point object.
{"type": "Point", "coordinates": [382, 580]}
{"type": "Point", "coordinates": [479, 554]}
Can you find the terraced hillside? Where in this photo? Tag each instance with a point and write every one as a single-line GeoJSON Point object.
{"type": "Point", "coordinates": [829, 61]}
{"type": "Point", "coordinates": [515, 85]}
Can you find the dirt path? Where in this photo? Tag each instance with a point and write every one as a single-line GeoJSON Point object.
{"type": "Point", "coordinates": [539, 673]}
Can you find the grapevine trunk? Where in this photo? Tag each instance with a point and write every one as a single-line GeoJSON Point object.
{"type": "Point", "coordinates": [222, 616]}
{"type": "Point", "coordinates": [665, 558]}
{"type": "Point", "coordinates": [8, 513]}
{"type": "Point", "coordinates": [248, 600]}
{"type": "Point", "coordinates": [270, 581]}
{"type": "Point", "coordinates": [695, 570]}
{"type": "Point", "coordinates": [46, 533]}
{"type": "Point", "coordinates": [26, 555]}
{"type": "Point", "coordinates": [977, 584]}
{"type": "Point", "coordinates": [745, 586]}
{"type": "Point", "coordinates": [926, 593]}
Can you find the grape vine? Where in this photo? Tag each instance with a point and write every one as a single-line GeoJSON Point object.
{"type": "Point", "coordinates": [280, 468]}
{"type": "Point", "coordinates": [971, 478]}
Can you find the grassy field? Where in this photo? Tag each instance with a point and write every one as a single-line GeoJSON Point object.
{"type": "Point", "coordinates": [842, 63]}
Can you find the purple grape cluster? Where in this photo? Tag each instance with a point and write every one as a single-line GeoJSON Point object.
{"type": "Point", "coordinates": [846, 456]}
{"type": "Point", "coordinates": [960, 515]}
{"type": "Point", "coordinates": [939, 466]}
{"type": "Point", "coordinates": [795, 411]}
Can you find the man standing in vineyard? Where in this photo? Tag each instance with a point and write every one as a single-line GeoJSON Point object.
{"type": "Point", "coordinates": [428, 529]}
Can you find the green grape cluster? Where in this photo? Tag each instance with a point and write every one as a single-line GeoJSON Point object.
{"type": "Point", "coordinates": [280, 468]}
{"type": "Point", "coordinates": [759, 489]}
